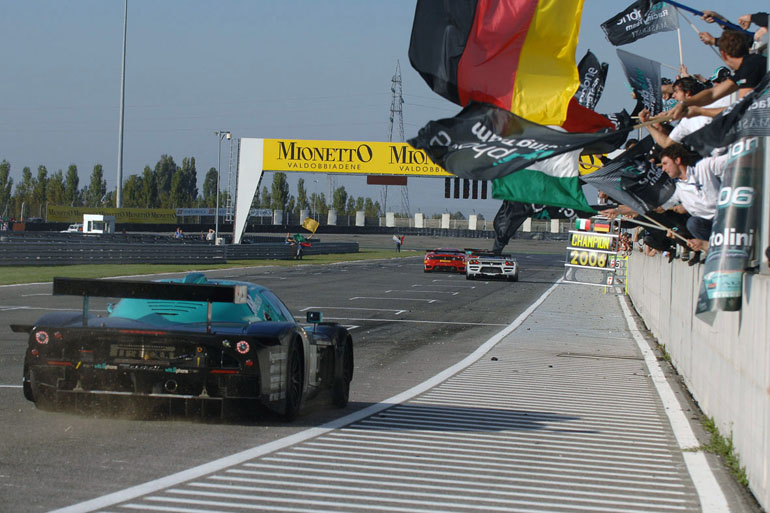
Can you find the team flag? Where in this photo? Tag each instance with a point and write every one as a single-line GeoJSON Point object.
{"type": "Point", "coordinates": [516, 54]}
{"type": "Point", "coordinates": [601, 227]}
{"type": "Point", "coordinates": [632, 180]}
{"type": "Point", "coordinates": [640, 19]}
{"type": "Point", "coordinates": [484, 142]}
{"type": "Point", "coordinates": [555, 182]}
{"type": "Point", "coordinates": [592, 74]}
{"type": "Point", "coordinates": [583, 224]}
{"type": "Point", "coordinates": [512, 215]}
{"type": "Point", "coordinates": [310, 224]}
{"type": "Point", "coordinates": [644, 77]}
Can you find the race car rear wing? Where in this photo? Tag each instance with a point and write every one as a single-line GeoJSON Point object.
{"type": "Point", "coordinates": [88, 287]}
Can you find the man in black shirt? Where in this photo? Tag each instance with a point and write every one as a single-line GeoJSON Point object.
{"type": "Point", "coordinates": [748, 70]}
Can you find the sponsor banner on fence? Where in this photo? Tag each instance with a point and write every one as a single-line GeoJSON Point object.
{"type": "Point", "coordinates": [347, 157]}
{"type": "Point", "coordinates": [63, 214]}
{"type": "Point", "coordinates": [733, 230]}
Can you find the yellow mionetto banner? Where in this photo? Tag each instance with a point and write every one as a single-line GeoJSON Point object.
{"type": "Point", "coordinates": [122, 215]}
{"type": "Point", "coordinates": [347, 157]}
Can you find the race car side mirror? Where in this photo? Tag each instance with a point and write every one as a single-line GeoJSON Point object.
{"type": "Point", "coordinates": [314, 317]}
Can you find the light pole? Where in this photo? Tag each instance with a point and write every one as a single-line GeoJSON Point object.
{"type": "Point", "coordinates": [119, 190]}
{"type": "Point", "coordinates": [221, 134]}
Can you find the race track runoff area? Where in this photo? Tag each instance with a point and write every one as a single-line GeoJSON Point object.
{"type": "Point", "coordinates": [566, 409]}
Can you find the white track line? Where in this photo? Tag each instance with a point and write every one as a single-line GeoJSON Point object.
{"type": "Point", "coordinates": [710, 493]}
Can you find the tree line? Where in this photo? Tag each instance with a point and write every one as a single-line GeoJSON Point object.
{"type": "Point", "coordinates": [167, 185]}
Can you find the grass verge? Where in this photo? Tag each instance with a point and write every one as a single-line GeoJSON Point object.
{"type": "Point", "coordinates": [724, 448]}
{"type": "Point", "coordinates": [36, 274]}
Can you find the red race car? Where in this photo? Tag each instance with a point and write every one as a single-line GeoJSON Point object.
{"type": "Point", "coordinates": [445, 259]}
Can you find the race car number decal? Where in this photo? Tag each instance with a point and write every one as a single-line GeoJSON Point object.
{"type": "Point", "coordinates": [585, 258]}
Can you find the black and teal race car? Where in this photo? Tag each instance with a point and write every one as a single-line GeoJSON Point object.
{"type": "Point", "coordinates": [193, 341]}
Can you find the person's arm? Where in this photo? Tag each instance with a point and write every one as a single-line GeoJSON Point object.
{"type": "Point", "coordinates": [655, 130]}
{"type": "Point", "coordinates": [693, 111]}
{"type": "Point", "coordinates": [703, 98]}
{"type": "Point", "coordinates": [760, 19]}
{"type": "Point", "coordinates": [712, 17]}
{"type": "Point", "coordinates": [620, 210]}
{"type": "Point", "coordinates": [708, 39]}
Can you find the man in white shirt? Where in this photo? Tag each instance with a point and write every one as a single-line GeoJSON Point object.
{"type": "Point", "coordinates": [697, 189]}
{"type": "Point", "coordinates": [683, 88]}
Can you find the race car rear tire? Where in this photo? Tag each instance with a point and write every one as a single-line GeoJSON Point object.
{"type": "Point", "coordinates": [469, 277]}
{"type": "Point", "coordinates": [295, 374]}
{"type": "Point", "coordinates": [341, 386]}
{"type": "Point", "coordinates": [27, 386]}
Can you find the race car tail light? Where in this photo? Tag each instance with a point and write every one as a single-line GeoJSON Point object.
{"type": "Point", "coordinates": [242, 347]}
{"type": "Point", "coordinates": [249, 363]}
{"type": "Point", "coordinates": [473, 261]}
{"type": "Point", "coordinates": [42, 337]}
{"type": "Point", "coordinates": [508, 263]}
{"type": "Point", "coordinates": [35, 352]}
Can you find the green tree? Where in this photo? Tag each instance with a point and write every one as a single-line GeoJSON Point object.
{"type": "Point", "coordinates": [210, 188]}
{"type": "Point", "coordinates": [302, 200]}
{"type": "Point", "coordinates": [177, 197]}
{"type": "Point", "coordinates": [23, 192]}
{"type": "Point", "coordinates": [39, 192]}
{"type": "Point", "coordinates": [56, 192]}
{"type": "Point", "coordinates": [266, 201]}
{"type": "Point", "coordinates": [339, 200]}
{"type": "Point", "coordinates": [371, 209]}
{"type": "Point", "coordinates": [350, 208]}
{"type": "Point", "coordinates": [97, 187]}
{"type": "Point", "coordinates": [280, 192]}
{"type": "Point", "coordinates": [164, 172]}
{"type": "Point", "coordinates": [149, 198]}
{"type": "Point", "coordinates": [189, 181]}
{"type": "Point", "coordinates": [132, 192]}
{"type": "Point", "coordinates": [6, 188]}
{"type": "Point", "coordinates": [360, 203]}
{"type": "Point", "coordinates": [71, 184]}
{"type": "Point", "coordinates": [108, 200]}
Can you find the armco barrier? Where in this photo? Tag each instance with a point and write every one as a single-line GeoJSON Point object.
{"type": "Point", "coordinates": [14, 252]}
{"type": "Point", "coordinates": [725, 365]}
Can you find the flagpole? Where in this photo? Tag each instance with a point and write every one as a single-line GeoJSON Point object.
{"type": "Point", "coordinates": [724, 23]}
{"type": "Point", "coordinates": [656, 225]}
{"type": "Point", "coordinates": [696, 31]}
{"type": "Point", "coordinates": [679, 37]}
{"type": "Point", "coordinates": [652, 121]}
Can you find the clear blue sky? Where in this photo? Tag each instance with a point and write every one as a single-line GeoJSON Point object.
{"type": "Point", "coordinates": [275, 69]}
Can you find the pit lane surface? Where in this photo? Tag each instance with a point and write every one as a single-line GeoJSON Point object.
{"type": "Point", "coordinates": [407, 326]}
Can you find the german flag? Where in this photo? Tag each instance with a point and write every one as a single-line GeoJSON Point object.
{"type": "Point", "coordinates": [601, 227]}
{"type": "Point", "coordinates": [518, 55]}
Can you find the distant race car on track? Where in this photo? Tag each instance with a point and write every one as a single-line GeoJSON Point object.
{"type": "Point", "coordinates": [192, 341]}
{"type": "Point", "coordinates": [444, 259]}
{"type": "Point", "coordinates": [485, 264]}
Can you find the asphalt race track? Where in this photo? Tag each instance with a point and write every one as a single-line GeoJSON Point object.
{"type": "Point", "coordinates": [407, 326]}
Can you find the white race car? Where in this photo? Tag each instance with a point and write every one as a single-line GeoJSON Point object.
{"type": "Point", "coordinates": [488, 265]}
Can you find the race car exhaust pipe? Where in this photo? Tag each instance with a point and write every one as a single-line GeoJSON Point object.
{"type": "Point", "coordinates": [170, 386]}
